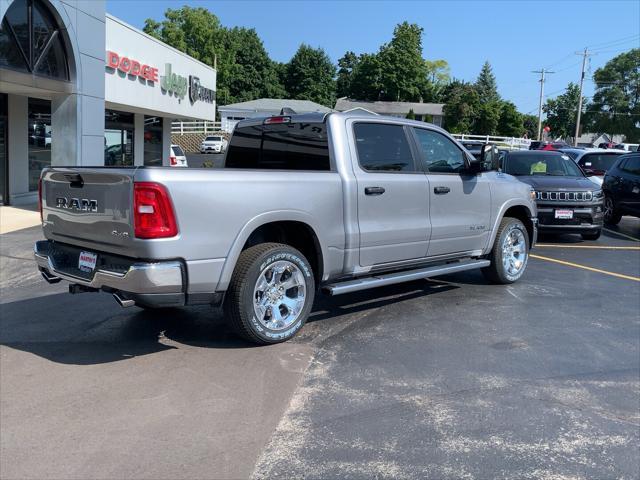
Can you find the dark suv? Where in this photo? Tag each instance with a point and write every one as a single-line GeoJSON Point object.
{"type": "Point", "coordinates": [621, 188]}
{"type": "Point", "coordinates": [568, 202]}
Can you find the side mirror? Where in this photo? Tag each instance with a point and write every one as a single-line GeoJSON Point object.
{"type": "Point", "coordinates": [488, 159]}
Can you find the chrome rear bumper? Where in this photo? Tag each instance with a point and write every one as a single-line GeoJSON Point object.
{"type": "Point", "coordinates": [140, 277]}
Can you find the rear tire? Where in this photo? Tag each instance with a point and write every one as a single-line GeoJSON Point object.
{"type": "Point", "coordinates": [509, 254]}
{"type": "Point", "coordinates": [611, 216]}
{"type": "Point", "coordinates": [591, 235]}
{"type": "Point", "coordinates": [271, 293]}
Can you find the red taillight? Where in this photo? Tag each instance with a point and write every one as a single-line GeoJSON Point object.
{"type": "Point", "coordinates": [40, 199]}
{"type": "Point", "coordinates": [153, 215]}
{"type": "Point", "coordinates": [173, 161]}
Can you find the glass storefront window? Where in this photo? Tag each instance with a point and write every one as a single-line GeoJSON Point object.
{"type": "Point", "coordinates": [153, 141]}
{"type": "Point", "coordinates": [118, 139]}
{"type": "Point", "coordinates": [39, 139]}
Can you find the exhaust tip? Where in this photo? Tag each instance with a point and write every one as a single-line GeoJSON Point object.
{"type": "Point", "coordinates": [49, 277]}
{"type": "Point", "coordinates": [123, 302]}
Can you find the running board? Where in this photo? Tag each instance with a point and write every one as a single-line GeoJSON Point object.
{"type": "Point", "coordinates": [404, 276]}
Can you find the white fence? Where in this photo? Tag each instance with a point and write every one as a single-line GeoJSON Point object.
{"type": "Point", "coordinates": [195, 126]}
{"type": "Point", "coordinates": [513, 142]}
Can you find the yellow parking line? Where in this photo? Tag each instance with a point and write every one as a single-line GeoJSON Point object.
{"type": "Point", "coordinates": [622, 235]}
{"type": "Point", "coordinates": [602, 247]}
{"type": "Point", "coordinates": [584, 267]}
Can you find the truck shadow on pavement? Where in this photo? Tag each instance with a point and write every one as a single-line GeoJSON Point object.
{"type": "Point", "coordinates": [91, 329]}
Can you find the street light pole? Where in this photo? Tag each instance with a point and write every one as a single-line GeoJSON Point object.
{"type": "Point", "coordinates": [542, 73]}
{"type": "Point", "coordinates": [584, 54]}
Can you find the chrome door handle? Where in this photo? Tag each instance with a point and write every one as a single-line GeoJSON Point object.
{"type": "Point", "coordinates": [441, 190]}
{"type": "Point", "coordinates": [374, 190]}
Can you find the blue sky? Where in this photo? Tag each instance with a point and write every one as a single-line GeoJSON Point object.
{"type": "Point", "coordinates": [516, 37]}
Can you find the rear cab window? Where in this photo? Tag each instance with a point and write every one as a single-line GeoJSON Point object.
{"type": "Point", "coordinates": [280, 146]}
{"type": "Point", "coordinates": [383, 148]}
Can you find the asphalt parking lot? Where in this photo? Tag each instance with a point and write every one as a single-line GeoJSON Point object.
{"type": "Point", "coordinates": [449, 378]}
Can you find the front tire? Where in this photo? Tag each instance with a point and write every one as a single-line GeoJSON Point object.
{"type": "Point", "coordinates": [510, 252]}
{"type": "Point", "coordinates": [611, 216]}
{"type": "Point", "coordinates": [271, 293]}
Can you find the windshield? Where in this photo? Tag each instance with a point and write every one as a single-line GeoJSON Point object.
{"type": "Point", "coordinates": [598, 161]}
{"type": "Point", "coordinates": [212, 139]}
{"type": "Point", "coordinates": [556, 165]}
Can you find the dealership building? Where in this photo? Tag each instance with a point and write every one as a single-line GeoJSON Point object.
{"type": "Point", "coordinates": [81, 87]}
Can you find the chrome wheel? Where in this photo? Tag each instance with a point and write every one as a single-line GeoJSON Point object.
{"type": "Point", "coordinates": [608, 208]}
{"type": "Point", "coordinates": [279, 295]}
{"type": "Point", "coordinates": [514, 252]}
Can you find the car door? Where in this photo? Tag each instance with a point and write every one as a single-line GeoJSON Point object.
{"type": "Point", "coordinates": [629, 189]}
{"type": "Point", "coordinates": [393, 195]}
{"type": "Point", "coordinates": [459, 201]}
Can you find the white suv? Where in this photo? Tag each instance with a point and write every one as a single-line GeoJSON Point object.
{"type": "Point", "coordinates": [177, 158]}
{"type": "Point", "coordinates": [213, 144]}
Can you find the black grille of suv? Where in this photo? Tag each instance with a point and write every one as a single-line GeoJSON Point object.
{"type": "Point", "coordinates": [565, 196]}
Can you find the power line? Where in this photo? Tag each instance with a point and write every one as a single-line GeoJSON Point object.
{"type": "Point", "coordinates": [596, 46]}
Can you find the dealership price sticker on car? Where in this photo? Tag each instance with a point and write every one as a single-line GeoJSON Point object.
{"type": "Point", "coordinates": [564, 214]}
{"type": "Point", "coordinates": [87, 261]}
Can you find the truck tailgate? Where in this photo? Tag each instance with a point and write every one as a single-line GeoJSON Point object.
{"type": "Point", "coordinates": [89, 206]}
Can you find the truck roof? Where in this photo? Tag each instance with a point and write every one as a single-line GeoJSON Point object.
{"type": "Point", "coordinates": [318, 117]}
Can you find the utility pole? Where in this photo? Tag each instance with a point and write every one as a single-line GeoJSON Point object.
{"type": "Point", "coordinates": [542, 73]}
{"type": "Point", "coordinates": [585, 55]}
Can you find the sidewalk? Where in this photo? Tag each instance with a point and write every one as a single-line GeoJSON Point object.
{"type": "Point", "coordinates": [17, 218]}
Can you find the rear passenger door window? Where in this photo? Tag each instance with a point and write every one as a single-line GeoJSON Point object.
{"type": "Point", "coordinates": [440, 154]}
{"type": "Point", "coordinates": [383, 148]}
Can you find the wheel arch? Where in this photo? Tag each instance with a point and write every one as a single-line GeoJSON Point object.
{"type": "Point", "coordinates": [517, 210]}
{"type": "Point", "coordinates": [293, 228]}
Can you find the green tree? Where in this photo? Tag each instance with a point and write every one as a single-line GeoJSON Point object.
{"type": "Point", "coordinates": [486, 84]}
{"type": "Point", "coordinates": [530, 125]}
{"type": "Point", "coordinates": [562, 111]}
{"type": "Point", "coordinates": [402, 68]}
{"type": "Point", "coordinates": [346, 66]}
{"type": "Point", "coordinates": [487, 118]}
{"type": "Point", "coordinates": [462, 107]}
{"type": "Point", "coordinates": [310, 76]}
{"type": "Point", "coordinates": [411, 115]}
{"type": "Point", "coordinates": [244, 70]}
{"type": "Point", "coordinates": [615, 108]}
{"type": "Point", "coordinates": [437, 77]}
{"type": "Point", "coordinates": [366, 79]}
{"type": "Point", "coordinates": [511, 121]}
{"type": "Point", "coordinates": [253, 74]}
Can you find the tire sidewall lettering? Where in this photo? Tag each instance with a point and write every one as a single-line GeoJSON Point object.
{"type": "Point", "coordinates": [259, 328]}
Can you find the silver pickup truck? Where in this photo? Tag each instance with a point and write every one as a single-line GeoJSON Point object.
{"type": "Point", "coordinates": [338, 203]}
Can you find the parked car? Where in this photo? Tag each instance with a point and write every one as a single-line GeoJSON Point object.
{"type": "Point", "coordinates": [213, 144]}
{"type": "Point", "coordinates": [177, 158]}
{"type": "Point", "coordinates": [568, 202]}
{"type": "Point", "coordinates": [344, 202]}
{"type": "Point", "coordinates": [572, 152]}
{"type": "Point", "coordinates": [474, 147]}
{"type": "Point", "coordinates": [621, 188]}
{"type": "Point", "coordinates": [597, 162]}
{"type": "Point", "coordinates": [537, 145]}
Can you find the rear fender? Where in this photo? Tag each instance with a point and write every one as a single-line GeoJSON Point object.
{"type": "Point", "coordinates": [252, 225]}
